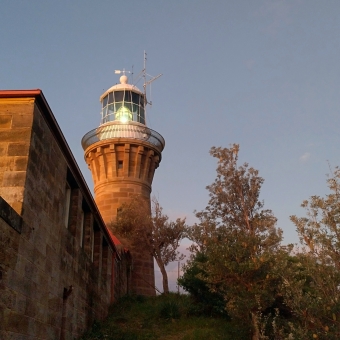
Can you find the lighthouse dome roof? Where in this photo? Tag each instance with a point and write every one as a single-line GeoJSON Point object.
{"type": "Point", "coordinates": [124, 85]}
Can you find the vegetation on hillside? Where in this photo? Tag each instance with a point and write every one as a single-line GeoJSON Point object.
{"type": "Point", "coordinates": [314, 293]}
{"type": "Point", "coordinates": [242, 282]}
{"type": "Point", "coordinates": [237, 255]}
{"type": "Point", "coordinates": [168, 317]}
{"type": "Point", "coordinates": [239, 240]}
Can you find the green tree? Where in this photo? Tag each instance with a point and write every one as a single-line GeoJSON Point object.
{"type": "Point", "coordinates": [151, 232]}
{"type": "Point", "coordinates": [314, 294]}
{"type": "Point", "coordinates": [207, 302]}
{"type": "Point", "coordinates": [239, 239]}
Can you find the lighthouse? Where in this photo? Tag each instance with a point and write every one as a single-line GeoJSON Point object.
{"type": "Point", "coordinates": [122, 155]}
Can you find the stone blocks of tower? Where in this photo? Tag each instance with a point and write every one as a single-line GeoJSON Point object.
{"type": "Point", "coordinates": [121, 169]}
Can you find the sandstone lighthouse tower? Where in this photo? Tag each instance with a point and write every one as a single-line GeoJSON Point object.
{"type": "Point", "coordinates": [123, 154]}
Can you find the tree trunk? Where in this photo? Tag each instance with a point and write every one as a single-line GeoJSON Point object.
{"type": "Point", "coordinates": [164, 275]}
{"type": "Point", "coordinates": [255, 326]}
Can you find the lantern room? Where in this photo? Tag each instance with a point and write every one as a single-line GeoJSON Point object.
{"type": "Point", "coordinates": [123, 103]}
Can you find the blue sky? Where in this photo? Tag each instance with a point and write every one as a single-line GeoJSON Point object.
{"type": "Point", "coordinates": [264, 74]}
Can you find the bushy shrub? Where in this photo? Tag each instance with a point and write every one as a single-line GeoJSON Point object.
{"type": "Point", "coordinates": [206, 302]}
{"type": "Point", "coordinates": [169, 310]}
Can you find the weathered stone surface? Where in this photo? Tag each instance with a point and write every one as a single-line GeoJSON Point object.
{"type": "Point", "coordinates": [20, 163]}
{"type": "Point", "coordinates": [18, 149]}
{"type": "Point", "coordinates": [41, 257]}
{"type": "Point", "coordinates": [5, 121]}
{"type": "Point", "coordinates": [16, 322]}
{"type": "Point", "coordinates": [20, 121]}
{"type": "Point", "coordinates": [19, 135]}
{"type": "Point", "coordinates": [14, 179]}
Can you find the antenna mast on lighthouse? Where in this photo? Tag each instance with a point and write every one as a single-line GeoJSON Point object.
{"type": "Point", "coordinates": [147, 82]}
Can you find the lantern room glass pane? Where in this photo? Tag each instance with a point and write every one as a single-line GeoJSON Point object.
{"type": "Point", "coordinates": [119, 96]}
{"type": "Point", "coordinates": [127, 97]}
{"type": "Point", "coordinates": [142, 116]}
{"type": "Point", "coordinates": [104, 112]}
{"type": "Point", "coordinates": [135, 98]}
{"type": "Point", "coordinates": [105, 101]}
{"type": "Point", "coordinates": [110, 110]}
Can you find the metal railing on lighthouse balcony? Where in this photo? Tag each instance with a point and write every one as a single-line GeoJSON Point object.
{"type": "Point", "coordinates": [123, 130]}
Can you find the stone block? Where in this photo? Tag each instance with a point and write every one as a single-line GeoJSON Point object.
{"type": "Point", "coordinates": [18, 149]}
{"type": "Point", "coordinates": [8, 298]}
{"type": "Point", "coordinates": [16, 322]}
{"type": "Point", "coordinates": [10, 258]}
{"type": "Point", "coordinates": [54, 303]}
{"type": "Point", "coordinates": [31, 271]}
{"type": "Point", "coordinates": [20, 163]}
{"type": "Point", "coordinates": [5, 121]}
{"type": "Point", "coordinates": [120, 194]}
{"type": "Point", "coordinates": [22, 121]}
{"type": "Point", "coordinates": [106, 207]}
{"type": "Point", "coordinates": [22, 284]}
{"type": "Point", "coordinates": [53, 332]}
{"type": "Point", "coordinates": [14, 179]}
{"type": "Point", "coordinates": [13, 279]}
{"type": "Point", "coordinates": [26, 249]}
{"type": "Point", "coordinates": [127, 190]}
{"type": "Point", "coordinates": [21, 264]}
{"type": "Point", "coordinates": [39, 258]}
{"type": "Point", "coordinates": [106, 196]}
{"type": "Point", "coordinates": [20, 303]}
{"type": "Point", "coordinates": [31, 309]}
{"type": "Point", "coordinates": [41, 329]}
{"type": "Point", "coordinates": [17, 135]}
{"type": "Point", "coordinates": [6, 164]}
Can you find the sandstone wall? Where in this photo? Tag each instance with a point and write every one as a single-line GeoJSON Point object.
{"type": "Point", "coordinates": [56, 258]}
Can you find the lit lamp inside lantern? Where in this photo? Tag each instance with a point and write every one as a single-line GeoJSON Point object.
{"type": "Point", "coordinates": [123, 114]}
